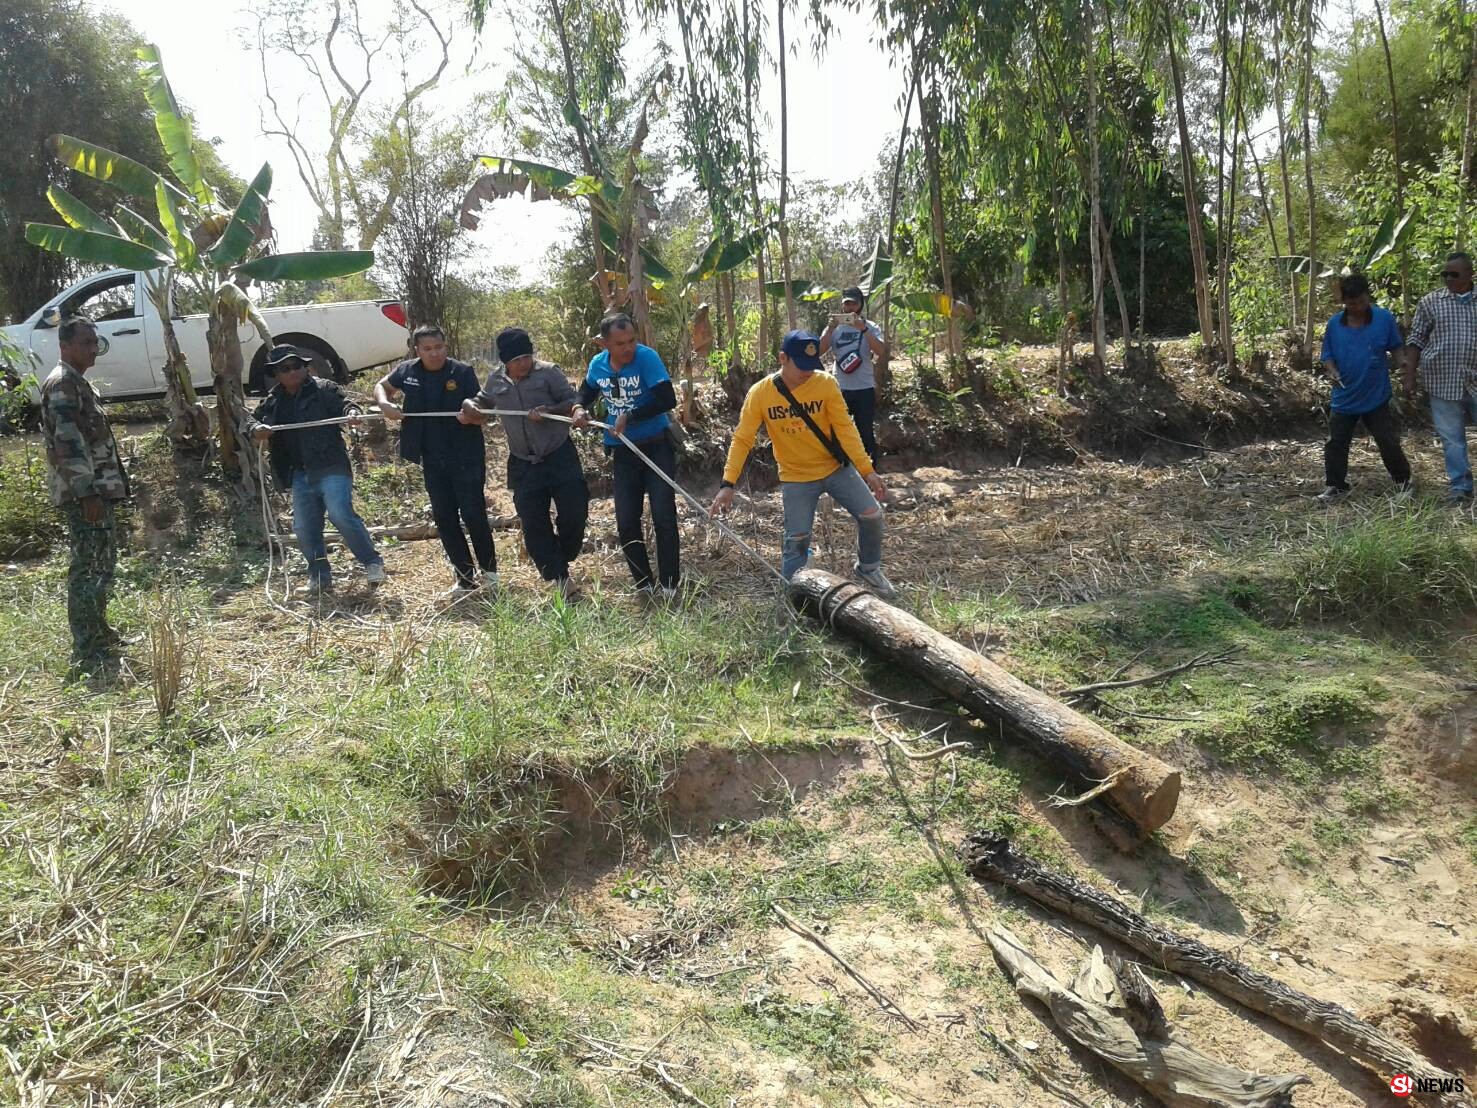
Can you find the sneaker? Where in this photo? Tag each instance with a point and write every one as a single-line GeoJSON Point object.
{"type": "Point", "coordinates": [375, 573]}
{"type": "Point", "coordinates": [1404, 490]}
{"type": "Point", "coordinates": [1331, 493]}
{"type": "Point", "coordinates": [669, 592]}
{"type": "Point", "coordinates": [460, 591]}
{"type": "Point", "coordinates": [570, 591]}
{"type": "Point", "coordinates": [489, 582]}
{"type": "Point", "coordinates": [313, 588]}
{"type": "Point", "coordinates": [875, 580]}
{"type": "Point", "coordinates": [1459, 500]}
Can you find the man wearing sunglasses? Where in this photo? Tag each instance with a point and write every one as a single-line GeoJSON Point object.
{"type": "Point", "coordinates": [314, 463]}
{"type": "Point", "coordinates": [1443, 346]}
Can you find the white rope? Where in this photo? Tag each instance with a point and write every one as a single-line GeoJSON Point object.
{"type": "Point", "coordinates": [722, 527]}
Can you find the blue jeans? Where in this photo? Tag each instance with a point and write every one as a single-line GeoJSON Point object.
{"type": "Point", "coordinates": [848, 489]}
{"type": "Point", "coordinates": [313, 496]}
{"type": "Point", "coordinates": [1451, 418]}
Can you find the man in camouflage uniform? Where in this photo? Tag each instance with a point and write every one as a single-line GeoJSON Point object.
{"type": "Point", "coordinates": [87, 479]}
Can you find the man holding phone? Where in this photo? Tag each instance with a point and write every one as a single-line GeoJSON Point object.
{"type": "Point", "coordinates": [857, 343]}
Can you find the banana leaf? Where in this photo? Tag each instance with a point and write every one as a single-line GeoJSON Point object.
{"type": "Point", "coordinates": [312, 265]}
{"type": "Point", "coordinates": [1392, 234]}
{"type": "Point", "coordinates": [141, 230]}
{"type": "Point", "coordinates": [654, 268]}
{"type": "Point", "coordinates": [241, 233]}
{"type": "Point", "coordinates": [878, 274]}
{"type": "Point", "coordinates": [721, 256]}
{"type": "Point", "coordinates": [79, 215]}
{"type": "Point", "coordinates": [102, 164]}
{"type": "Point", "coordinates": [173, 223]}
{"type": "Point", "coordinates": [801, 290]}
{"type": "Point", "coordinates": [934, 303]}
{"type": "Point", "coordinates": [93, 246]}
{"type": "Point", "coordinates": [173, 125]}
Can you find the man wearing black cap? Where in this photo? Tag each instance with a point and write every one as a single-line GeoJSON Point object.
{"type": "Point", "coordinates": [452, 455]}
{"type": "Point", "coordinates": [818, 450]}
{"type": "Point", "coordinates": [543, 466]}
{"type": "Point", "coordinates": [314, 464]}
{"type": "Point", "coordinates": [858, 344]}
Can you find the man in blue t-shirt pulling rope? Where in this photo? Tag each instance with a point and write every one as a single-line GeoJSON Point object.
{"type": "Point", "coordinates": [1356, 347]}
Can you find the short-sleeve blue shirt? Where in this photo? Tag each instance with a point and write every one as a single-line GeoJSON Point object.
{"type": "Point", "coordinates": [637, 378]}
{"type": "Point", "coordinates": [1361, 355]}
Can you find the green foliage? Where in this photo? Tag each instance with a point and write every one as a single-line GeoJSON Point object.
{"type": "Point", "coordinates": [93, 247]}
{"type": "Point", "coordinates": [823, 1032]}
{"type": "Point", "coordinates": [28, 522]}
{"type": "Point", "coordinates": [1387, 569]}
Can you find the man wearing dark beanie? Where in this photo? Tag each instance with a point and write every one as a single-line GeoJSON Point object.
{"type": "Point", "coordinates": [452, 456]}
{"type": "Point", "coordinates": [543, 466]}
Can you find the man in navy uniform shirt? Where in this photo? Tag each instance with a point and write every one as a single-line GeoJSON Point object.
{"type": "Point", "coordinates": [451, 454]}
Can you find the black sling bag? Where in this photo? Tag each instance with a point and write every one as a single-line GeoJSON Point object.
{"type": "Point", "coordinates": [832, 443]}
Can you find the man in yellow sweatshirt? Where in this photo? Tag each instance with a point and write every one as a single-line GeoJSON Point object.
{"type": "Point", "coordinates": [818, 450]}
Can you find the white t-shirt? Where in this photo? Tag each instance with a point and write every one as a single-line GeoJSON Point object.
{"type": "Point", "coordinates": [847, 340]}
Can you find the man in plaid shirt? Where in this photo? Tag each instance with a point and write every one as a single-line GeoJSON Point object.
{"type": "Point", "coordinates": [1443, 344]}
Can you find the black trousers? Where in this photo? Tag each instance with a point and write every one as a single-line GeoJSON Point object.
{"type": "Point", "coordinates": [1386, 433]}
{"type": "Point", "coordinates": [862, 404]}
{"type": "Point", "coordinates": [557, 482]}
{"type": "Point", "coordinates": [633, 484]}
{"type": "Point", "coordinates": [457, 499]}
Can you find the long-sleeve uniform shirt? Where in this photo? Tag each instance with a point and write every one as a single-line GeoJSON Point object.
{"type": "Point", "coordinates": [801, 456]}
{"type": "Point", "coordinates": [81, 453]}
{"type": "Point", "coordinates": [1445, 330]}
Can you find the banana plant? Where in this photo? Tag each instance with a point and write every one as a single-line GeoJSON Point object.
{"type": "Point", "coordinates": [190, 238]}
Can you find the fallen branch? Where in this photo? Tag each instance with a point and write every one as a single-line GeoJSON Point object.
{"type": "Point", "coordinates": [657, 1070]}
{"type": "Point", "coordinates": [993, 858]}
{"type": "Point", "coordinates": [1091, 794]}
{"type": "Point", "coordinates": [1200, 661]}
{"type": "Point", "coordinates": [886, 1003]}
{"type": "Point", "coordinates": [1040, 1076]}
{"type": "Point", "coordinates": [1099, 1014]}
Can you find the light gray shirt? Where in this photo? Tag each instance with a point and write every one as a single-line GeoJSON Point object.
{"type": "Point", "coordinates": [847, 340]}
{"type": "Point", "coordinates": [544, 386]}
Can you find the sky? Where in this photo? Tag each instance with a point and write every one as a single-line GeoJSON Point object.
{"type": "Point", "coordinates": [844, 109]}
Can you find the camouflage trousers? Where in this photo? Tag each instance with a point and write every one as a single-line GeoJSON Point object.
{"type": "Point", "coordinates": [90, 581]}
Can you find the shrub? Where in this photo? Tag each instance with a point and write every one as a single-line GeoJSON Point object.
{"type": "Point", "coordinates": [28, 522]}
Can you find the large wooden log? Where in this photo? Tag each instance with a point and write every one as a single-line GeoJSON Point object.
{"type": "Point", "coordinates": [993, 858]}
{"type": "Point", "coordinates": [1144, 789]}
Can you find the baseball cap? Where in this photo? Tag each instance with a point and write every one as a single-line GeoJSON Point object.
{"type": "Point", "coordinates": [279, 354]}
{"type": "Point", "coordinates": [852, 292]}
{"type": "Point", "coordinates": [803, 348]}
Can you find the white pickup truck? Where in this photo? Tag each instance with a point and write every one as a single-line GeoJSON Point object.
{"type": "Point", "coordinates": [339, 339]}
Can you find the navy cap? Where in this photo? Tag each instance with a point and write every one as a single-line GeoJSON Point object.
{"type": "Point", "coordinates": [803, 348]}
{"type": "Point", "coordinates": [279, 354]}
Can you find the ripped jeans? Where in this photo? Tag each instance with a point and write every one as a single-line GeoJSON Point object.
{"type": "Point", "coordinates": [848, 489]}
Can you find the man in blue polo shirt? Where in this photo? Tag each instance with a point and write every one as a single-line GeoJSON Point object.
{"type": "Point", "coordinates": [638, 395]}
{"type": "Point", "coordinates": [1356, 347]}
{"type": "Point", "coordinates": [451, 454]}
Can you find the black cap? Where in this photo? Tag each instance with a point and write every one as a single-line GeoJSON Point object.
{"type": "Point", "coordinates": [279, 354]}
{"type": "Point", "coordinates": [853, 292]}
{"type": "Point", "coordinates": [513, 342]}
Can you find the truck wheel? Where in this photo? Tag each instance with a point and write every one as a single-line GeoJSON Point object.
{"type": "Point", "coordinates": [322, 362]}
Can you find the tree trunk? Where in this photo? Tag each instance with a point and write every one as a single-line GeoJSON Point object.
{"type": "Point", "coordinates": [1228, 235]}
{"type": "Point", "coordinates": [1112, 267]}
{"type": "Point", "coordinates": [1261, 184]}
{"type": "Point", "coordinates": [1467, 135]}
{"type": "Point", "coordinates": [1193, 215]}
{"type": "Point", "coordinates": [1094, 190]}
{"type": "Point", "coordinates": [240, 458]}
{"type": "Point", "coordinates": [785, 175]}
{"type": "Point", "coordinates": [993, 858]}
{"type": "Point", "coordinates": [897, 172]}
{"type": "Point", "coordinates": [1292, 246]}
{"type": "Point", "coordinates": [1144, 789]}
{"type": "Point", "coordinates": [603, 284]}
{"type": "Point", "coordinates": [1143, 250]}
{"type": "Point", "coordinates": [1307, 112]}
{"type": "Point", "coordinates": [189, 426]}
{"type": "Point", "coordinates": [1068, 319]}
{"type": "Point", "coordinates": [929, 116]}
{"type": "Point", "coordinates": [1222, 237]}
{"type": "Point", "coordinates": [751, 70]}
{"type": "Point", "coordinates": [1379, 13]}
